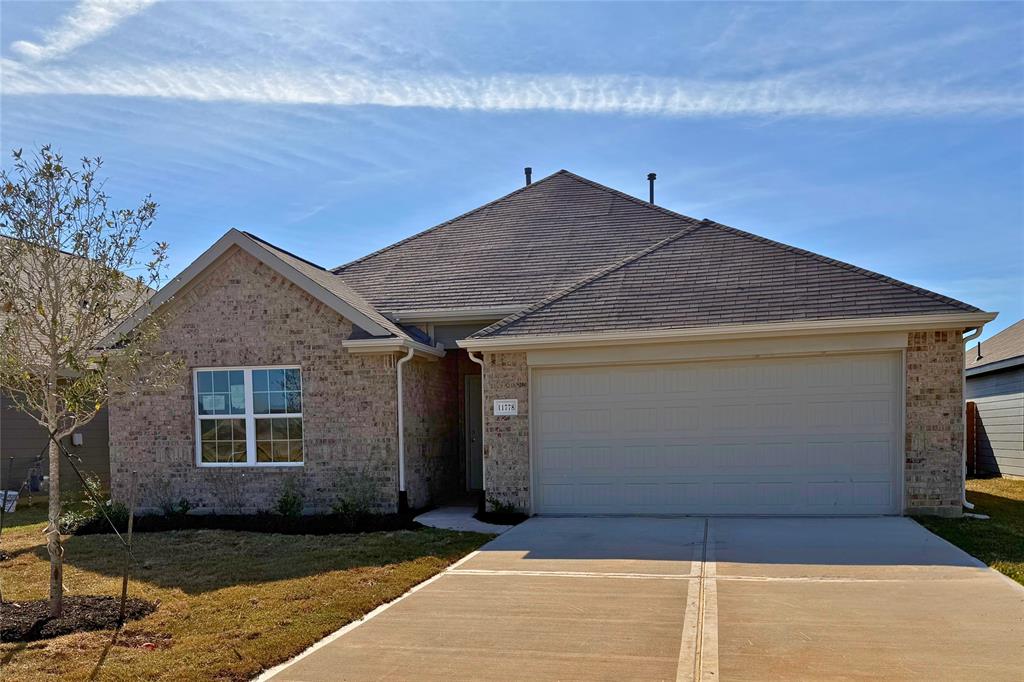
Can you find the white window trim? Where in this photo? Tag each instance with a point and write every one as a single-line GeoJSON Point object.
{"type": "Point", "coordinates": [250, 419]}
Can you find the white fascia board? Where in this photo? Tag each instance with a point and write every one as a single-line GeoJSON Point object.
{"type": "Point", "coordinates": [232, 238]}
{"type": "Point", "coordinates": [454, 315]}
{"type": "Point", "coordinates": [995, 366]}
{"type": "Point", "coordinates": [859, 325]}
{"type": "Point", "coordinates": [391, 345]}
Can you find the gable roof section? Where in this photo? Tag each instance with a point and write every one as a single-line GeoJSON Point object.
{"type": "Point", "coordinates": [1005, 349]}
{"type": "Point", "coordinates": [312, 279]}
{"type": "Point", "coordinates": [718, 276]}
{"type": "Point", "coordinates": [513, 251]}
{"type": "Point", "coordinates": [334, 285]}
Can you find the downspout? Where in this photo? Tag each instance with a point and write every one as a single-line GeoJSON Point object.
{"type": "Point", "coordinates": [482, 502]}
{"type": "Point", "coordinates": [963, 420]}
{"type": "Point", "coordinates": [403, 497]}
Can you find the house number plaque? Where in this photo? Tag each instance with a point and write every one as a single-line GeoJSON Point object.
{"type": "Point", "coordinates": [506, 408]}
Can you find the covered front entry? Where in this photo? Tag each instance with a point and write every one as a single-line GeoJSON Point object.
{"type": "Point", "coordinates": [474, 425]}
{"type": "Point", "coordinates": [800, 435]}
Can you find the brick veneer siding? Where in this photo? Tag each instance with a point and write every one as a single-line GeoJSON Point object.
{"type": "Point", "coordinates": [935, 428]}
{"type": "Point", "coordinates": [431, 430]}
{"type": "Point", "coordinates": [934, 425]}
{"type": "Point", "coordinates": [242, 313]}
{"type": "Point", "coordinates": [507, 439]}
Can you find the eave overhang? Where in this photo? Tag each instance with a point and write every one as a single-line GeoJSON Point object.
{"type": "Point", "coordinates": [391, 345]}
{"type": "Point", "coordinates": [235, 238]}
{"type": "Point", "coordinates": [963, 321]}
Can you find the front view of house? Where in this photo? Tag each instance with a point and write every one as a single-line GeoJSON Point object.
{"type": "Point", "coordinates": [567, 349]}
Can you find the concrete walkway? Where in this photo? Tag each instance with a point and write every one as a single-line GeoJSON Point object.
{"type": "Point", "coordinates": [458, 517]}
{"type": "Point", "coordinates": [688, 599]}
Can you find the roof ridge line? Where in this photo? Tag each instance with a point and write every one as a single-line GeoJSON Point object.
{"type": "Point", "coordinates": [846, 266]}
{"type": "Point", "coordinates": [593, 277]}
{"type": "Point", "coordinates": [357, 299]}
{"type": "Point", "coordinates": [630, 197]}
{"type": "Point", "coordinates": [336, 270]}
{"type": "Point", "coordinates": [261, 240]}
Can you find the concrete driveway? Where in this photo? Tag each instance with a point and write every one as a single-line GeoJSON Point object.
{"type": "Point", "coordinates": [690, 598]}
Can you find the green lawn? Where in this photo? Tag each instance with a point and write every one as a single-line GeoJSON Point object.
{"type": "Point", "coordinates": [230, 603]}
{"type": "Point", "coordinates": [999, 541]}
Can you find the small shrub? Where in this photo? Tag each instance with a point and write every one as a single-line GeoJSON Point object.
{"type": "Point", "coordinates": [179, 508]}
{"type": "Point", "coordinates": [356, 492]}
{"type": "Point", "coordinates": [501, 513]}
{"type": "Point", "coordinates": [230, 490]}
{"type": "Point", "coordinates": [94, 504]}
{"type": "Point", "coordinates": [499, 507]}
{"type": "Point", "coordinates": [290, 502]}
{"type": "Point", "coordinates": [74, 520]}
{"type": "Point", "coordinates": [167, 502]}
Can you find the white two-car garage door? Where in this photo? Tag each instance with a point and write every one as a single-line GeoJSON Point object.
{"type": "Point", "coordinates": [811, 435]}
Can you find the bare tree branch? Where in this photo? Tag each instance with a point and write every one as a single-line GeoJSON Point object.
{"type": "Point", "coordinates": [71, 268]}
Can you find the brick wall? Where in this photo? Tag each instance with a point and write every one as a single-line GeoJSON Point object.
{"type": "Point", "coordinates": [431, 421]}
{"type": "Point", "coordinates": [934, 419]}
{"type": "Point", "coordinates": [243, 313]}
{"type": "Point", "coordinates": [507, 439]}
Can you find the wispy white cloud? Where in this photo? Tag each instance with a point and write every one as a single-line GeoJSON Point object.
{"type": "Point", "coordinates": [596, 94]}
{"type": "Point", "coordinates": [86, 22]}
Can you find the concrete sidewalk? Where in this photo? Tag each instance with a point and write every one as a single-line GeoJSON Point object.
{"type": "Point", "coordinates": [689, 598]}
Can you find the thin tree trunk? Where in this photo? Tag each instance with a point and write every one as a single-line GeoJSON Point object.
{"type": "Point", "coordinates": [53, 546]}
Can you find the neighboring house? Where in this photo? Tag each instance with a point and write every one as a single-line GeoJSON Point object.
{"type": "Point", "coordinates": [568, 349]}
{"type": "Point", "coordinates": [24, 440]}
{"type": "Point", "coordinates": [995, 384]}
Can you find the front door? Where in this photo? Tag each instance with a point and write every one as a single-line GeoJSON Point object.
{"type": "Point", "coordinates": [474, 434]}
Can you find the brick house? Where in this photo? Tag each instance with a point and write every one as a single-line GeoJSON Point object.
{"type": "Point", "coordinates": [567, 349]}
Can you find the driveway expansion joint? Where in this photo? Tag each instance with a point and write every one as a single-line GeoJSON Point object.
{"type": "Point", "coordinates": [698, 650]}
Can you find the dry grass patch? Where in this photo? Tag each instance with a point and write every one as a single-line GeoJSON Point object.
{"type": "Point", "coordinates": [230, 603]}
{"type": "Point", "coordinates": [998, 541]}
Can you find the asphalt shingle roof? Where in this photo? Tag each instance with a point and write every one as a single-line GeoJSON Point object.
{"type": "Point", "coordinates": [713, 275]}
{"type": "Point", "coordinates": [513, 251]}
{"type": "Point", "coordinates": [1005, 345]}
{"type": "Point", "coordinates": [578, 257]}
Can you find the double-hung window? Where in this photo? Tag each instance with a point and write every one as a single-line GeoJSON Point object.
{"type": "Point", "coordinates": [248, 416]}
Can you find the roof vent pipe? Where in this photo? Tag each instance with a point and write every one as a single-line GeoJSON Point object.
{"type": "Point", "coordinates": [529, 174]}
{"type": "Point", "coordinates": [651, 177]}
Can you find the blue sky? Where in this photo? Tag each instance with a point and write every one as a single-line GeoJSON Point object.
{"type": "Point", "coordinates": [887, 135]}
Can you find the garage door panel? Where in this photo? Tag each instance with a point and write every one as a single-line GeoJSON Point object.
{"type": "Point", "coordinates": [787, 436]}
{"type": "Point", "coordinates": [636, 382]}
{"type": "Point", "coordinates": [591, 422]}
{"type": "Point", "coordinates": [641, 419]}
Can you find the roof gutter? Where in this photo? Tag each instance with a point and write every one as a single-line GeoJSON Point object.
{"type": "Point", "coordinates": [453, 315]}
{"type": "Point", "coordinates": [482, 503]}
{"type": "Point", "coordinates": [403, 497]}
{"type": "Point", "coordinates": [391, 344]}
{"type": "Point", "coordinates": [963, 421]}
{"type": "Point", "coordinates": [994, 366]}
{"type": "Point", "coordinates": [801, 328]}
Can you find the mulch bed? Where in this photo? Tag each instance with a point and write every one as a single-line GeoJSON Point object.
{"type": "Point", "coordinates": [501, 518]}
{"type": "Point", "coordinates": [316, 524]}
{"type": "Point", "coordinates": [27, 621]}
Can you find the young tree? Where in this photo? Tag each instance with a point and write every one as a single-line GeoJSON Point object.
{"type": "Point", "coordinates": [71, 268]}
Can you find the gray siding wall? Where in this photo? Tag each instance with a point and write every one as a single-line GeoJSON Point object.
{"type": "Point", "coordinates": [1000, 428]}
{"type": "Point", "coordinates": [22, 438]}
